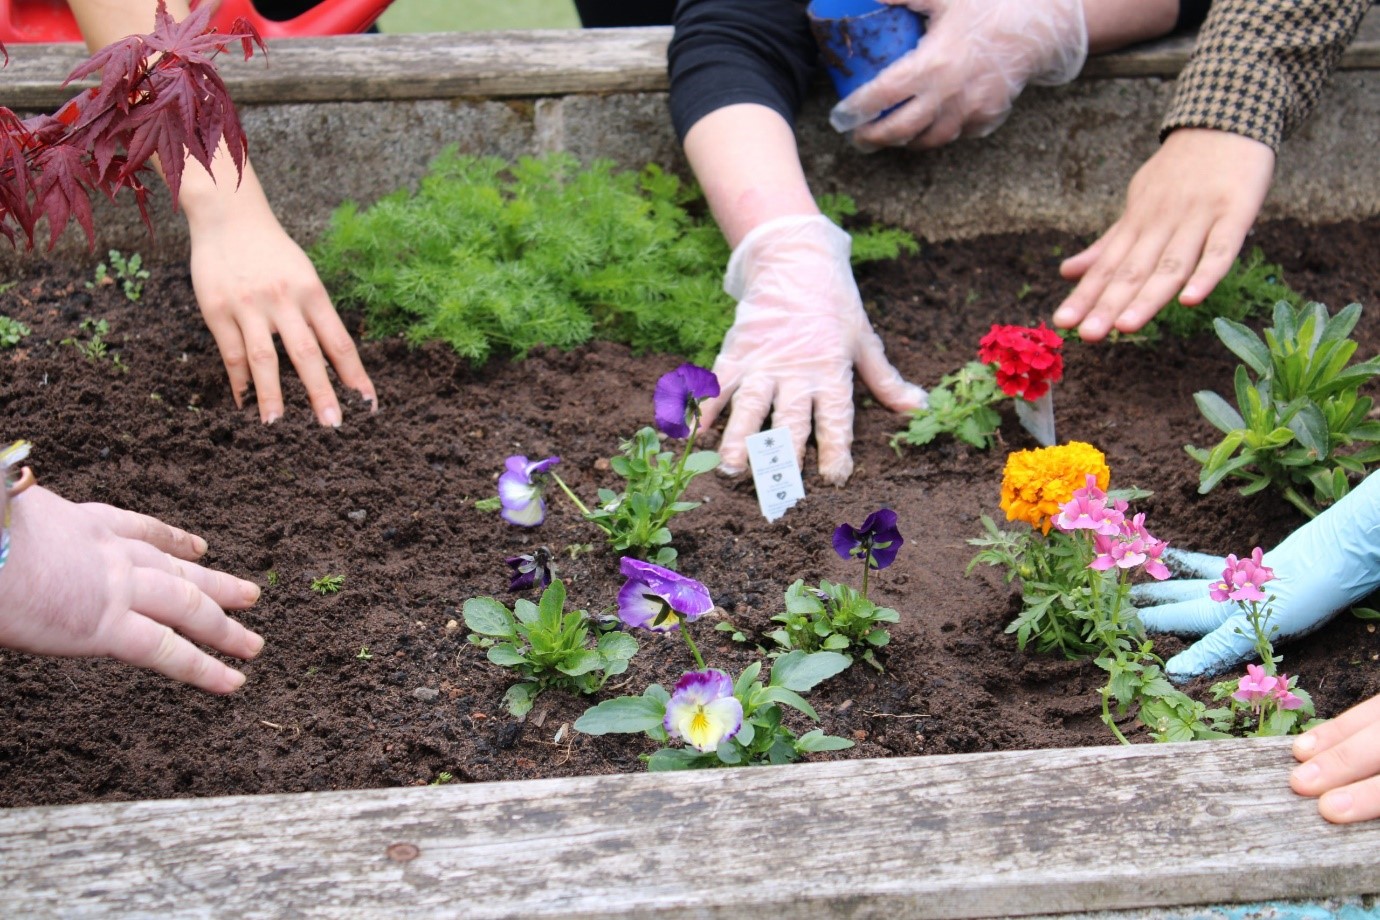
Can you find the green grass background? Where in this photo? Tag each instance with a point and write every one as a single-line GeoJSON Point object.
{"type": "Point", "coordinates": [475, 15]}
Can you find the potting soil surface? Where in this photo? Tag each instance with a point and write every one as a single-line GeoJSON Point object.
{"type": "Point", "coordinates": [377, 686]}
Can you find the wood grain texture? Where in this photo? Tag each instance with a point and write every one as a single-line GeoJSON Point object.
{"type": "Point", "coordinates": [978, 835]}
{"type": "Point", "coordinates": [448, 65]}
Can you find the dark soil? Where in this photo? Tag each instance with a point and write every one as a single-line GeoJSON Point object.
{"type": "Point", "coordinates": [387, 502]}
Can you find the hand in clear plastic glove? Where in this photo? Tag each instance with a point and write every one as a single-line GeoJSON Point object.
{"type": "Point", "coordinates": [799, 331]}
{"type": "Point", "coordinates": [962, 79]}
{"type": "Point", "coordinates": [1323, 567]}
{"type": "Point", "coordinates": [92, 580]}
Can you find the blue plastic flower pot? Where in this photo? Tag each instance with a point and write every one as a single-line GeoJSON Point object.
{"type": "Point", "coordinates": [860, 38]}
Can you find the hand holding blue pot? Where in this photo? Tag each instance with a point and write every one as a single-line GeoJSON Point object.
{"type": "Point", "coordinates": [1326, 565]}
{"type": "Point", "coordinates": [962, 78]}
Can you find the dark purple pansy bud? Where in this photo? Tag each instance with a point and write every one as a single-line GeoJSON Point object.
{"type": "Point", "coordinates": [877, 540]}
{"type": "Point", "coordinates": [677, 398]}
{"type": "Point", "coordinates": [531, 569]}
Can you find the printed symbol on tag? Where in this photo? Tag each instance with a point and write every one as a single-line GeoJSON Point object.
{"type": "Point", "coordinates": [776, 477]}
{"type": "Point", "coordinates": [775, 460]}
{"type": "Point", "coordinates": [775, 473]}
{"type": "Point", "coordinates": [770, 442]}
{"type": "Point", "coordinates": [780, 495]}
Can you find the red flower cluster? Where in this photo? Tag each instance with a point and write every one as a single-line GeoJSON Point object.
{"type": "Point", "coordinates": [1028, 360]}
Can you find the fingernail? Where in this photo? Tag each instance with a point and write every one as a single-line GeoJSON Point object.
{"type": "Point", "coordinates": [864, 146]}
{"type": "Point", "coordinates": [256, 642]}
{"type": "Point", "coordinates": [1307, 773]}
{"type": "Point", "coordinates": [198, 545]}
{"type": "Point", "coordinates": [844, 120]}
{"type": "Point", "coordinates": [1338, 802]}
{"type": "Point", "coordinates": [272, 417]}
{"type": "Point", "coordinates": [252, 592]}
{"type": "Point", "coordinates": [1305, 744]}
{"type": "Point", "coordinates": [331, 416]}
{"type": "Point", "coordinates": [236, 680]}
{"type": "Point", "coordinates": [729, 470]}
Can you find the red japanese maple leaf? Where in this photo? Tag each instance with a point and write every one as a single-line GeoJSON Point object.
{"type": "Point", "coordinates": [159, 95]}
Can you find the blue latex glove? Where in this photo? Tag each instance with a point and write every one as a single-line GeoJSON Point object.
{"type": "Point", "coordinates": [1323, 567]}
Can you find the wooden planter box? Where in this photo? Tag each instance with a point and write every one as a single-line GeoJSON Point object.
{"type": "Point", "coordinates": [1032, 832]}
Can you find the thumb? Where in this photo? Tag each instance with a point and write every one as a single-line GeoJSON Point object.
{"type": "Point", "coordinates": [1225, 647]}
{"type": "Point", "coordinates": [883, 380]}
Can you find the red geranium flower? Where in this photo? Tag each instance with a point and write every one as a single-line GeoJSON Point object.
{"type": "Point", "coordinates": [1028, 360]}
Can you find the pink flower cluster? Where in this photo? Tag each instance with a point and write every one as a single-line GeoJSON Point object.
{"type": "Point", "coordinates": [1242, 579]}
{"type": "Point", "coordinates": [1117, 541]}
{"type": "Point", "coordinates": [1257, 688]}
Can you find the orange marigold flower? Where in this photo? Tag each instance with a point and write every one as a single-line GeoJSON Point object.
{"type": "Point", "coordinates": [1036, 482]}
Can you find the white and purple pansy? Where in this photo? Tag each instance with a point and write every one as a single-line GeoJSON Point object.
{"type": "Point", "coordinates": [703, 711]}
{"type": "Point", "coordinates": [659, 599]}
{"type": "Point", "coordinates": [520, 490]}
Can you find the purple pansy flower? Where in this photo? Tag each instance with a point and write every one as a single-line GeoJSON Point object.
{"type": "Point", "coordinates": [520, 488]}
{"type": "Point", "coordinates": [677, 398]}
{"type": "Point", "coordinates": [877, 540]}
{"type": "Point", "coordinates": [703, 711]}
{"type": "Point", "coordinates": [659, 599]}
{"type": "Point", "coordinates": [530, 569]}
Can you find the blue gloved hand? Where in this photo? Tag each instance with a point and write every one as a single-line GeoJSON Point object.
{"type": "Point", "coordinates": [1323, 567]}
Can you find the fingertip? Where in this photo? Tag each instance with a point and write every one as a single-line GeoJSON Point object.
{"type": "Point", "coordinates": [836, 470]}
{"type": "Point", "coordinates": [233, 681]}
{"type": "Point", "coordinates": [1305, 746]}
{"type": "Point", "coordinates": [199, 546]}
{"type": "Point", "coordinates": [330, 416]}
{"type": "Point", "coordinates": [1338, 805]}
{"type": "Point", "coordinates": [255, 644]}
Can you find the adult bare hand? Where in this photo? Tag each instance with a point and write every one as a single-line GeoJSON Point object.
{"type": "Point", "coordinates": [1188, 210]}
{"type": "Point", "coordinates": [799, 331]}
{"type": "Point", "coordinates": [962, 79]}
{"type": "Point", "coordinates": [1341, 764]}
{"type": "Point", "coordinates": [92, 580]}
{"type": "Point", "coordinates": [253, 281]}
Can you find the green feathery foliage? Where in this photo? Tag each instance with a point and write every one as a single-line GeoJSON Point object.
{"type": "Point", "coordinates": [496, 257]}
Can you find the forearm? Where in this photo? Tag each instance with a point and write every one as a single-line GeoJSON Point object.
{"type": "Point", "coordinates": [746, 160]}
{"type": "Point", "coordinates": [1260, 65]}
{"type": "Point", "coordinates": [1115, 24]}
{"type": "Point", "coordinates": [105, 21]}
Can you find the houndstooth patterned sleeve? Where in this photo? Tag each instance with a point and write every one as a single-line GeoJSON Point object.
{"type": "Point", "coordinates": [1260, 65]}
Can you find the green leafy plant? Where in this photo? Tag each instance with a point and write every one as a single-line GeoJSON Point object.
{"type": "Point", "coordinates": [833, 617]}
{"type": "Point", "coordinates": [328, 584]}
{"type": "Point", "coordinates": [127, 271]}
{"type": "Point", "coordinates": [95, 348]}
{"type": "Point", "coordinates": [442, 779]}
{"type": "Point", "coordinates": [364, 654]}
{"type": "Point", "coordinates": [960, 405]}
{"type": "Point", "coordinates": [1300, 422]}
{"type": "Point", "coordinates": [498, 257]}
{"type": "Point", "coordinates": [548, 647]}
{"type": "Point", "coordinates": [761, 737]}
{"type": "Point", "coordinates": [12, 332]}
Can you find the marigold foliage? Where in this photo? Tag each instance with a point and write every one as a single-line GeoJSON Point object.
{"type": "Point", "coordinates": [498, 258]}
{"type": "Point", "coordinates": [1036, 482]}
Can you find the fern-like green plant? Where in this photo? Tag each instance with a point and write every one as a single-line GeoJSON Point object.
{"type": "Point", "coordinates": [497, 257]}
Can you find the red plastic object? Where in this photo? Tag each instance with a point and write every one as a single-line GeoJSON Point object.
{"type": "Point", "coordinates": [26, 21]}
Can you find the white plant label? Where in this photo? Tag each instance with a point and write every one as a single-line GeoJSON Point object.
{"type": "Point", "coordinates": [774, 471]}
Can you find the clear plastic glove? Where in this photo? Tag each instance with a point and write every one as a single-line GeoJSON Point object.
{"type": "Point", "coordinates": [799, 331]}
{"type": "Point", "coordinates": [96, 581]}
{"type": "Point", "coordinates": [1323, 567]}
{"type": "Point", "coordinates": [963, 77]}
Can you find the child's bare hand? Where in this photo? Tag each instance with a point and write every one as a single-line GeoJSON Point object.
{"type": "Point", "coordinates": [1188, 211]}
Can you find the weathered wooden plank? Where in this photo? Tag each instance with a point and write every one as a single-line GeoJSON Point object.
{"type": "Point", "coordinates": [957, 836]}
{"type": "Point", "coordinates": [496, 64]}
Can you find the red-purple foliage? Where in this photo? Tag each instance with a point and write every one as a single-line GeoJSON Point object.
{"type": "Point", "coordinates": [159, 94]}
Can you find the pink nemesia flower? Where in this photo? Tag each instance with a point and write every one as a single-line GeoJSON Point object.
{"type": "Point", "coordinates": [1246, 577]}
{"type": "Point", "coordinates": [1256, 686]}
{"type": "Point", "coordinates": [1104, 553]}
{"type": "Point", "coordinates": [1284, 699]}
{"type": "Point", "coordinates": [1088, 510]}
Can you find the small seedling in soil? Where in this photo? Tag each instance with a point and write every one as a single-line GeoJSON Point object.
{"type": "Point", "coordinates": [12, 332]}
{"type": "Point", "coordinates": [364, 654]}
{"type": "Point", "coordinates": [441, 779]}
{"type": "Point", "coordinates": [273, 578]}
{"type": "Point", "coordinates": [128, 272]}
{"type": "Point", "coordinates": [328, 584]}
{"type": "Point", "coordinates": [95, 348]}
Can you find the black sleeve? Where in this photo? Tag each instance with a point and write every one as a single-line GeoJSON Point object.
{"type": "Point", "coordinates": [1191, 14]}
{"type": "Point", "coordinates": [726, 52]}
